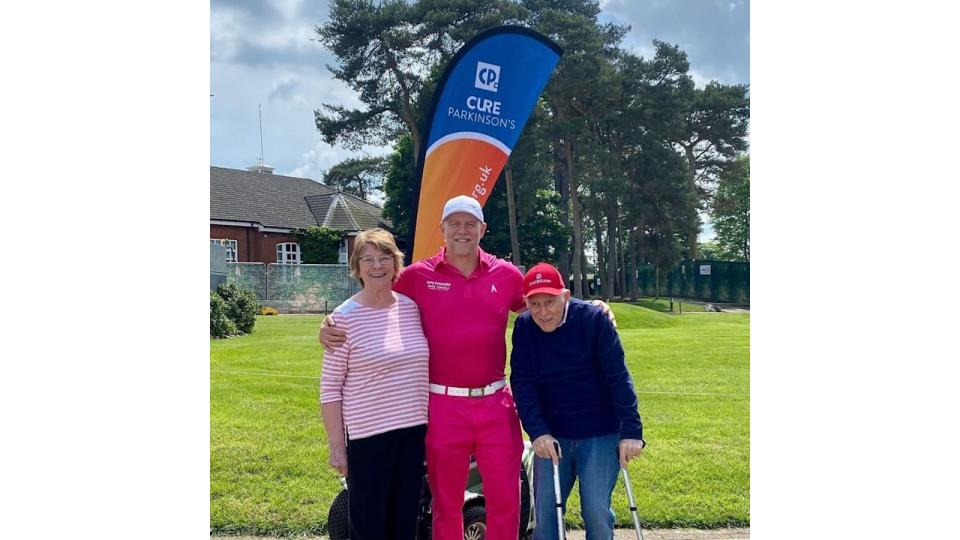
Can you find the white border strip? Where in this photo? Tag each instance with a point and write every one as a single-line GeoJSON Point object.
{"type": "Point", "coordinates": [468, 135]}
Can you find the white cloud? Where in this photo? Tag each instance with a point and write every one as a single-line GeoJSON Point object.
{"type": "Point", "coordinates": [318, 159]}
{"type": "Point", "coordinates": [699, 78]}
{"type": "Point", "coordinates": [265, 53]}
{"type": "Point", "coordinates": [285, 88]}
{"type": "Point", "coordinates": [226, 29]}
{"type": "Point", "coordinates": [288, 97]}
{"type": "Point", "coordinates": [288, 8]}
{"type": "Point", "coordinates": [714, 34]}
{"type": "Point", "coordinates": [322, 156]}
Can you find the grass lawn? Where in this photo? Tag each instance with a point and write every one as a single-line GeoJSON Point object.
{"type": "Point", "coordinates": [268, 455]}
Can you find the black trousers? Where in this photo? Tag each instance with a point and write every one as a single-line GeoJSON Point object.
{"type": "Point", "coordinates": [384, 479]}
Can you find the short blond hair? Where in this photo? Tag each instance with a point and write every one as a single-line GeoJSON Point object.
{"type": "Point", "coordinates": [383, 241]}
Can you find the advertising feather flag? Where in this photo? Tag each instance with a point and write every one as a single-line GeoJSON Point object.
{"type": "Point", "coordinates": [483, 101]}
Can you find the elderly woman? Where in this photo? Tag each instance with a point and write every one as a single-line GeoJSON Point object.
{"type": "Point", "coordinates": [374, 394]}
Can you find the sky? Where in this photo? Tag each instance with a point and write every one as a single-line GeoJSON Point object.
{"type": "Point", "coordinates": [262, 54]}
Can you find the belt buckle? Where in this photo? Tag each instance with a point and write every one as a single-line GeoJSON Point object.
{"type": "Point", "coordinates": [476, 392]}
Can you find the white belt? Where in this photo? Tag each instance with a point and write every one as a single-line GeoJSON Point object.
{"type": "Point", "coordinates": [468, 392]}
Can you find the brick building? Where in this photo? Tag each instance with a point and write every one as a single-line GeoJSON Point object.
{"type": "Point", "coordinates": [253, 212]}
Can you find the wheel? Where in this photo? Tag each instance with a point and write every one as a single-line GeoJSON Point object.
{"type": "Point", "coordinates": [474, 523]}
{"type": "Point", "coordinates": [338, 524]}
{"type": "Point", "coordinates": [525, 506]}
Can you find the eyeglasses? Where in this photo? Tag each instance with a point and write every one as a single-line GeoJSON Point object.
{"type": "Point", "coordinates": [384, 260]}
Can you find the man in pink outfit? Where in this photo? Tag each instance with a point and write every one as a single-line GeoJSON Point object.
{"type": "Point", "coordinates": [465, 296]}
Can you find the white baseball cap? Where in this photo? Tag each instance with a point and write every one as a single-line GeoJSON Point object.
{"type": "Point", "coordinates": [463, 203]}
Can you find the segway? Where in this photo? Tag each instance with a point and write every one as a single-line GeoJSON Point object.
{"type": "Point", "coordinates": [474, 505]}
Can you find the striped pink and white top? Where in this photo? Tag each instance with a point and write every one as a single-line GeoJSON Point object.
{"type": "Point", "coordinates": [381, 372]}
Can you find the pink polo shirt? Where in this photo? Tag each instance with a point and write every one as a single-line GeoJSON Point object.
{"type": "Point", "coordinates": [464, 317]}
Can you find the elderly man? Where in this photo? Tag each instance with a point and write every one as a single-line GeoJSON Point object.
{"type": "Point", "coordinates": [572, 387]}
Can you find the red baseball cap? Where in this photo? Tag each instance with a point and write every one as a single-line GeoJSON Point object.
{"type": "Point", "coordinates": [543, 278]}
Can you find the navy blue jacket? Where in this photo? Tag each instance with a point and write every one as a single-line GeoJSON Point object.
{"type": "Point", "coordinates": [573, 382]}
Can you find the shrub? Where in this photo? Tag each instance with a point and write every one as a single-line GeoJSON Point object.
{"type": "Point", "coordinates": [319, 245]}
{"type": "Point", "coordinates": [220, 324]}
{"type": "Point", "coordinates": [242, 306]}
{"type": "Point", "coordinates": [268, 311]}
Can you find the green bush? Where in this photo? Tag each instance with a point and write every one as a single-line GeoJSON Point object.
{"type": "Point", "coordinates": [242, 306]}
{"type": "Point", "coordinates": [319, 245]}
{"type": "Point", "coordinates": [220, 324]}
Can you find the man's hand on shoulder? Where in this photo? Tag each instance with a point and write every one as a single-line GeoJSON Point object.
{"type": "Point", "coordinates": [606, 311]}
{"type": "Point", "coordinates": [330, 336]}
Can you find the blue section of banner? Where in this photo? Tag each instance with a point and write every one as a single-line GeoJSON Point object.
{"type": "Point", "coordinates": [493, 88]}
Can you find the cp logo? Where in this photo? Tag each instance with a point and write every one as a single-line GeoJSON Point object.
{"type": "Point", "coordinates": [488, 77]}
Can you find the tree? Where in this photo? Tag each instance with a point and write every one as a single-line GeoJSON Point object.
{"type": "Point", "coordinates": [710, 251]}
{"type": "Point", "coordinates": [398, 187]}
{"type": "Point", "coordinates": [713, 132]}
{"type": "Point", "coordinates": [622, 152]}
{"type": "Point", "coordinates": [362, 177]}
{"type": "Point", "coordinates": [731, 211]}
{"type": "Point", "coordinates": [539, 227]}
{"type": "Point", "coordinates": [539, 232]}
{"type": "Point", "coordinates": [386, 53]}
{"type": "Point", "coordinates": [379, 59]}
{"type": "Point", "coordinates": [573, 25]}
{"type": "Point", "coordinates": [638, 180]}
{"type": "Point", "coordinates": [319, 245]}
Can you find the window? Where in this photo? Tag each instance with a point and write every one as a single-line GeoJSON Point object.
{"type": "Point", "coordinates": [288, 253]}
{"type": "Point", "coordinates": [231, 246]}
{"type": "Point", "coordinates": [342, 254]}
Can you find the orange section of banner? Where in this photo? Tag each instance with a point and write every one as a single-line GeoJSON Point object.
{"type": "Point", "coordinates": [458, 167]}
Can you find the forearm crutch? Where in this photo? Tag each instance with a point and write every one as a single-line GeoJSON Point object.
{"type": "Point", "coordinates": [556, 491]}
{"type": "Point", "coordinates": [633, 503]}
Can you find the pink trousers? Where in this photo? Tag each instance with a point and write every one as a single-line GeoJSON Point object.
{"type": "Point", "coordinates": [489, 428]}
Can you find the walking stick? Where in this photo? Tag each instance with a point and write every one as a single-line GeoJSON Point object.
{"type": "Point", "coordinates": [633, 504]}
{"type": "Point", "coordinates": [556, 491]}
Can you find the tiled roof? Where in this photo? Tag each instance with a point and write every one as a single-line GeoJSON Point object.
{"type": "Point", "coordinates": [364, 214]}
{"type": "Point", "coordinates": [274, 200]}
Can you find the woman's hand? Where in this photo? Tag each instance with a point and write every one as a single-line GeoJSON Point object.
{"type": "Point", "coordinates": [338, 458]}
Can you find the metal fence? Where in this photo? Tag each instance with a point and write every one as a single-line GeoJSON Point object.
{"type": "Point", "coordinates": [295, 288]}
{"type": "Point", "coordinates": [218, 265]}
{"type": "Point", "coordinates": [712, 281]}
{"type": "Point", "coordinates": [316, 288]}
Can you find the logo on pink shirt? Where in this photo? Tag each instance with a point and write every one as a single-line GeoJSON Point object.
{"type": "Point", "coordinates": [438, 285]}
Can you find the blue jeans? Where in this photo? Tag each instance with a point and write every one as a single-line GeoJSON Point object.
{"type": "Point", "coordinates": [596, 463]}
